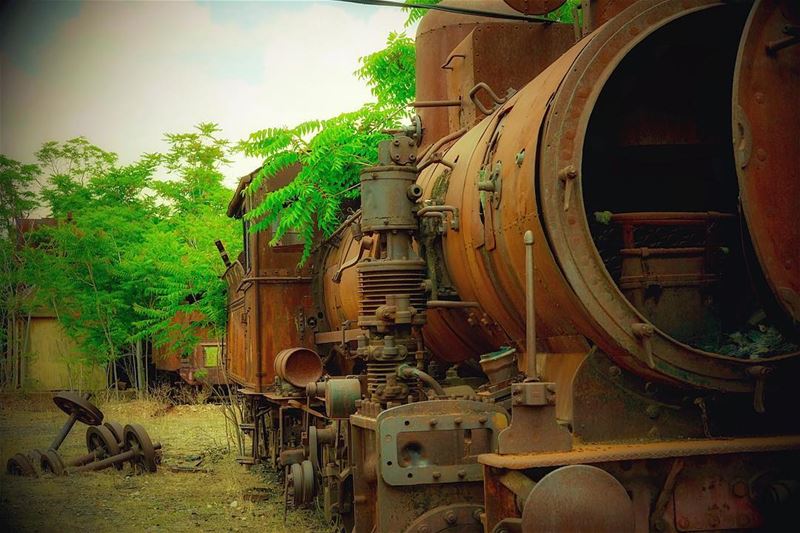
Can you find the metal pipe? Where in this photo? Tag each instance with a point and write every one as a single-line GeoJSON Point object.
{"type": "Point", "coordinates": [438, 144]}
{"type": "Point", "coordinates": [436, 103]}
{"type": "Point", "coordinates": [531, 371]}
{"type": "Point", "coordinates": [448, 304]}
{"type": "Point", "coordinates": [407, 371]}
{"type": "Point", "coordinates": [65, 429]}
{"type": "Point", "coordinates": [112, 460]}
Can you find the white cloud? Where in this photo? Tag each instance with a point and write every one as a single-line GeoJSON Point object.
{"type": "Point", "coordinates": [123, 74]}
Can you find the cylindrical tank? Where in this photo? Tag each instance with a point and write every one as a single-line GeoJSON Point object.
{"type": "Point", "coordinates": [438, 33]}
{"type": "Point", "coordinates": [635, 118]}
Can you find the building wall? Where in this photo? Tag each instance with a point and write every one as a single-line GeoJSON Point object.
{"type": "Point", "coordinates": [53, 363]}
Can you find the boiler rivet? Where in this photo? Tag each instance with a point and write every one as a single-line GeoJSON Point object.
{"type": "Point", "coordinates": [450, 517]}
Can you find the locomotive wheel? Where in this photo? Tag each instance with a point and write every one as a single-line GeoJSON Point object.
{"type": "Point", "coordinates": [35, 456]}
{"type": "Point", "coordinates": [52, 463]}
{"type": "Point", "coordinates": [296, 483]}
{"type": "Point", "coordinates": [308, 480]}
{"type": "Point", "coordinates": [100, 438]}
{"type": "Point", "coordinates": [137, 439]}
{"type": "Point", "coordinates": [20, 465]}
{"type": "Point", "coordinates": [117, 429]}
{"type": "Point", "coordinates": [313, 447]}
{"type": "Point", "coordinates": [83, 410]}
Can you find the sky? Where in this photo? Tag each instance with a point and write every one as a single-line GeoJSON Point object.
{"type": "Point", "coordinates": [124, 73]}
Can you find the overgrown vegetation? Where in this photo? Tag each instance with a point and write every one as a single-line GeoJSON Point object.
{"type": "Point", "coordinates": [331, 152]}
{"type": "Point", "coordinates": [126, 252]}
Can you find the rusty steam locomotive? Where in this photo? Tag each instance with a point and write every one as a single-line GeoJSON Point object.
{"type": "Point", "coordinates": [569, 300]}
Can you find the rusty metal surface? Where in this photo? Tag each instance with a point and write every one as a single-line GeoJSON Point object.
{"type": "Point", "coordinates": [459, 517]}
{"type": "Point", "coordinates": [767, 143]}
{"type": "Point", "coordinates": [273, 291]}
{"type": "Point", "coordinates": [565, 217]}
{"type": "Point", "coordinates": [534, 7]}
{"type": "Point", "coordinates": [601, 11]}
{"type": "Point", "coordinates": [578, 499]}
{"type": "Point", "coordinates": [436, 442]}
{"type": "Point", "coordinates": [503, 57]}
{"type": "Point", "coordinates": [602, 453]}
{"type": "Point", "coordinates": [437, 34]}
{"type": "Point", "coordinates": [710, 502]}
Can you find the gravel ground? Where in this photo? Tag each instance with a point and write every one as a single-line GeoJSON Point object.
{"type": "Point", "coordinates": [115, 501]}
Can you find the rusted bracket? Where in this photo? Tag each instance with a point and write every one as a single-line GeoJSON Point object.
{"type": "Point", "coordinates": [656, 520]}
{"type": "Point", "coordinates": [364, 244]}
{"type": "Point", "coordinates": [644, 332]}
{"type": "Point", "coordinates": [496, 99]}
{"type": "Point", "coordinates": [567, 177]}
{"type": "Point", "coordinates": [439, 211]}
{"type": "Point", "coordinates": [760, 373]}
{"type": "Point", "coordinates": [792, 38]}
{"type": "Point", "coordinates": [533, 405]}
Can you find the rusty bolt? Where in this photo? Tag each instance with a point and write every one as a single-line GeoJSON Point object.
{"type": "Point", "coordinates": [457, 421]}
{"type": "Point", "coordinates": [396, 157]}
{"type": "Point", "coordinates": [683, 522]}
{"type": "Point", "coordinates": [412, 157]}
{"type": "Point", "coordinates": [483, 420]}
{"type": "Point", "coordinates": [424, 529]}
{"type": "Point", "coordinates": [410, 142]}
{"type": "Point", "coordinates": [450, 517]}
{"type": "Point", "coordinates": [433, 422]}
{"type": "Point", "coordinates": [436, 474]}
{"type": "Point", "coordinates": [462, 474]}
{"type": "Point", "coordinates": [396, 142]}
{"type": "Point", "coordinates": [740, 489]}
{"type": "Point", "coordinates": [477, 514]}
{"type": "Point", "coordinates": [614, 371]}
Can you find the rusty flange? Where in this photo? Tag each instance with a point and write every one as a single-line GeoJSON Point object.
{"type": "Point", "coordinates": [137, 439]}
{"type": "Point", "coordinates": [116, 429]}
{"type": "Point", "coordinates": [578, 499]}
{"type": "Point", "coordinates": [53, 463]}
{"type": "Point", "coordinates": [458, 517]}
{"type": "Point", "coordinates": [21, 465]}
{"type": "Point", "coordinates": [765, 130]}
{"type": "Point", "coordinates": [83, 410]}
{"type": "Point", "coordinates": [103, 441]}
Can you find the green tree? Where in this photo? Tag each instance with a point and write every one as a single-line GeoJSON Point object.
{"type": "Point", "coordinates": [16, 201]}
{"type": "Point", "coordinates": [178, 261]}
{"type": "Point", "coordinates": [331, 152]}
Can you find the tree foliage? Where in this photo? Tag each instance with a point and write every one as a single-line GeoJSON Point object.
{"type": "Point", "coordinates": [131, 252]}
{"type": "Point", "coordinates": [389, 73]}
{"type": "Point", "coordinates": [331, 152]}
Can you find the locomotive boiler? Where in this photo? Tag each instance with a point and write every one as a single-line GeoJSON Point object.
{"type": "Point", "coordinates": [569, 298]}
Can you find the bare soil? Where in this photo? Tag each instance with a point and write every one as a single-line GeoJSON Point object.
{"type": "Point", "coordinates": [114, 501]}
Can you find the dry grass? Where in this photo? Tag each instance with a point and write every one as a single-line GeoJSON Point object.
{"type": "Point", "coordinates": [119, 501]}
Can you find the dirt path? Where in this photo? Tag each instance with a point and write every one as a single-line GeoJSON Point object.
{"type": "Point", "coordinates": [118, 501]}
